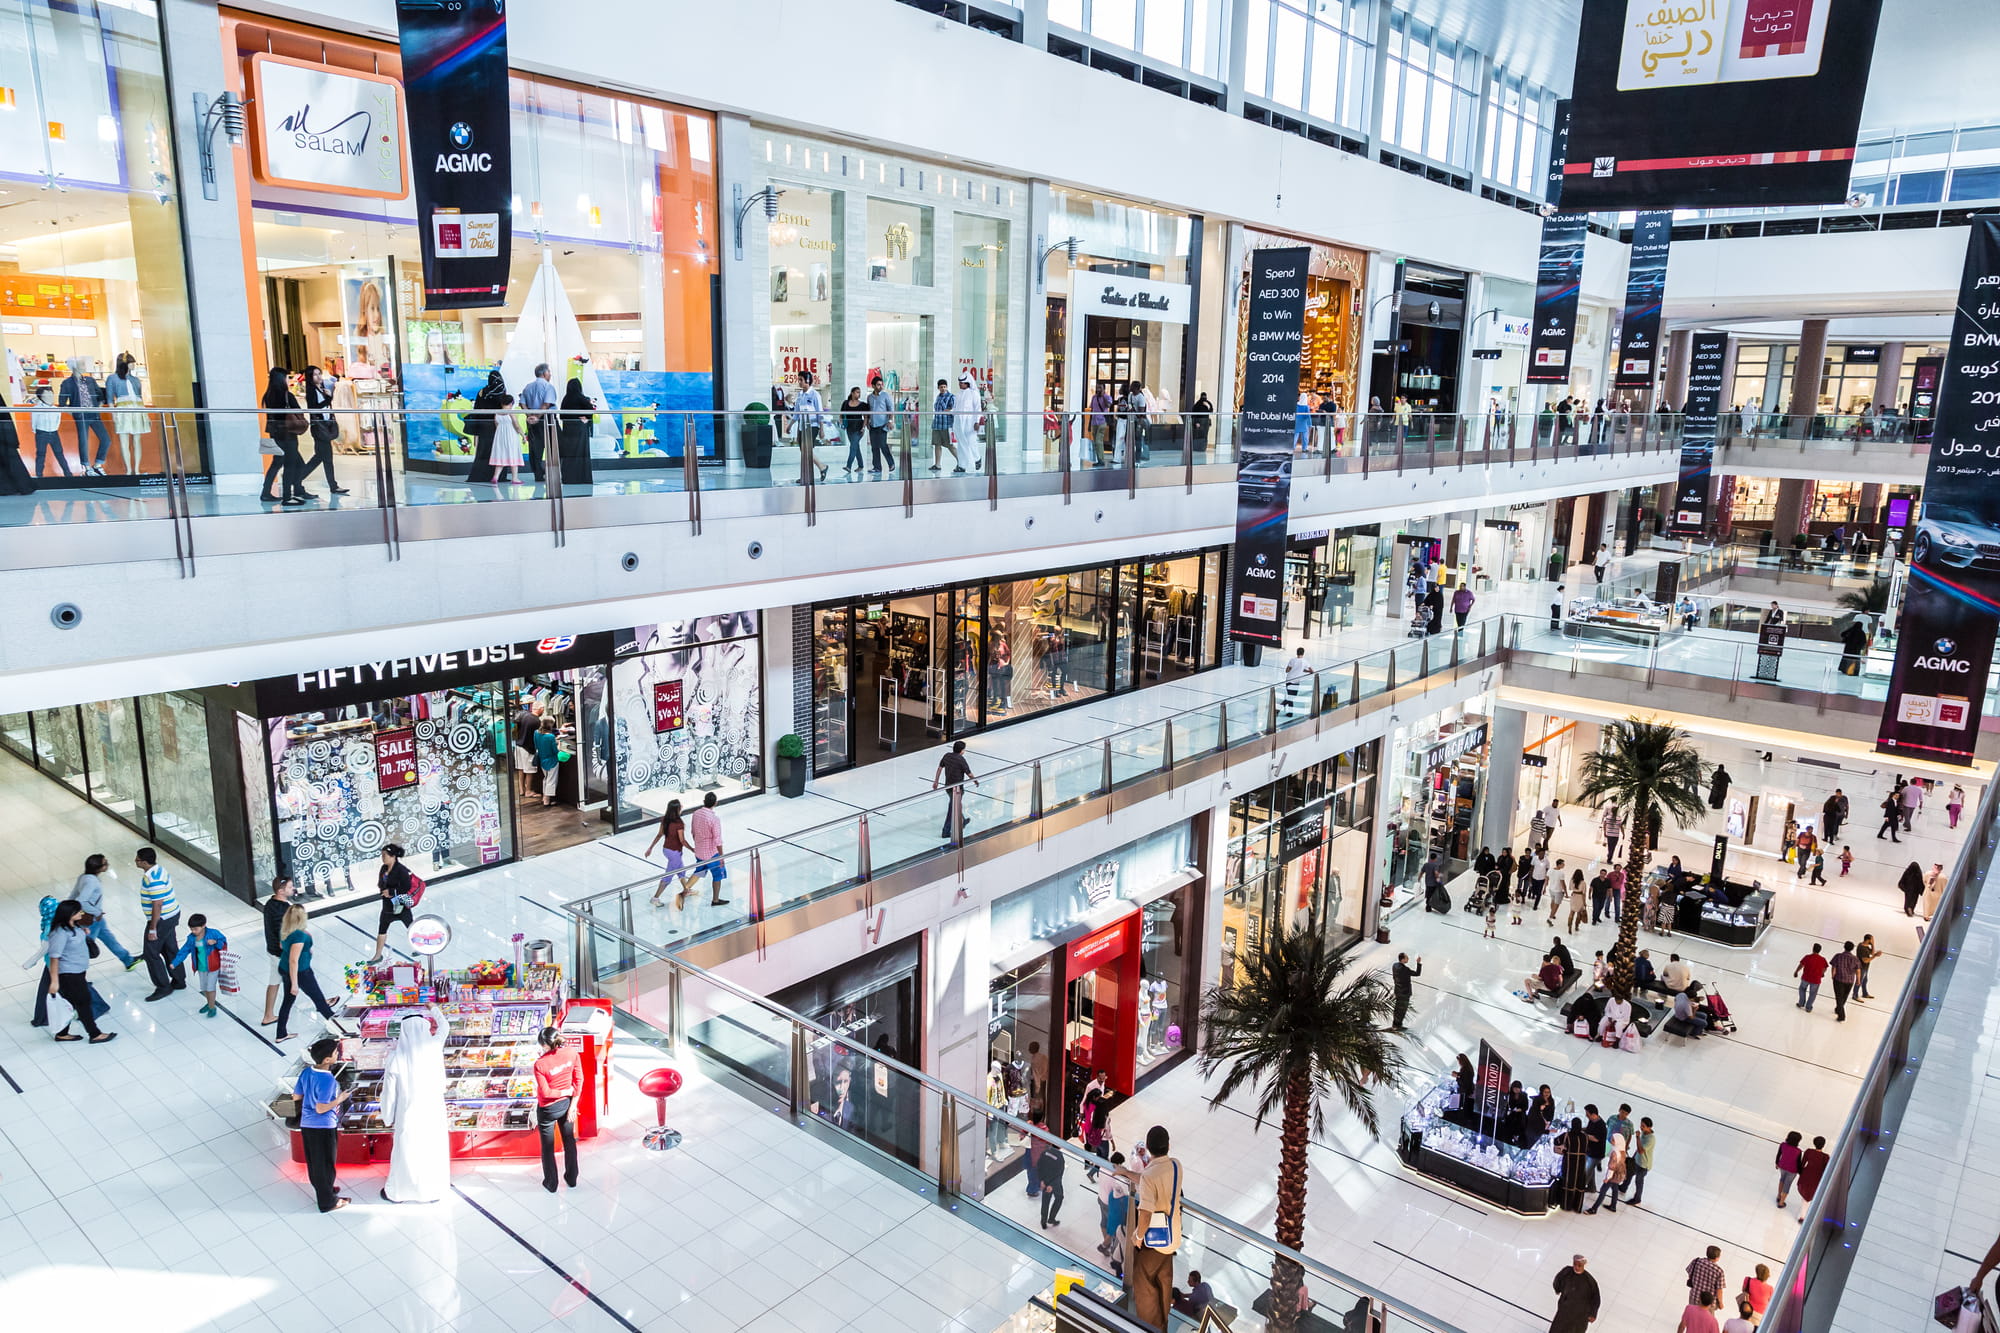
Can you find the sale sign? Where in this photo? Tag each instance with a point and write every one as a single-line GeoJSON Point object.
{"type": "Point", "coordinates": [667, 714]}
{"type": "Point", "coordinates": [396, 759]}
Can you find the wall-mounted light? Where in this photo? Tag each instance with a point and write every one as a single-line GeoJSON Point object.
{"type": "Point", "coordinates": [768, 196]}
{"type": "Point", "coordinates": [226, 114]}
{"type": "Point", "coordinates": [1067, 245]}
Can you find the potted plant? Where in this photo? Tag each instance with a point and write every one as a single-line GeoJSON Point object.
{"type": "Point", "coordinates": [791, 764]}
{"type": "Point", "coordinates": [755, 438]}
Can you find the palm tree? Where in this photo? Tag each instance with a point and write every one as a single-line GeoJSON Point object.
{"type": "Point", "coordinates": [1291, 1030]}
{"type": "Point", "coordinates": [1872, 600]}
{"type": "Point", "coordinates": [1649, 770]}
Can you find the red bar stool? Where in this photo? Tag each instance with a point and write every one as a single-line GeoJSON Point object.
{"type": "Point", "coordinates": [660, 1084]}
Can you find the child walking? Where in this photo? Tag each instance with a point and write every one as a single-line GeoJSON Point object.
{"type": "Point", "coordinates": [1846, 860]}
{"type": "Point", "coordinates": [1819, 865]}
{"type": "Point", "coordinates": [1492, 917]}
{"type": "Point", "coordinates": [202, 950]}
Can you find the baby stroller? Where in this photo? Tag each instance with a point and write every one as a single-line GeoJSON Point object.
{"type": "Point", "coordinates": [1717, 1013]}
{"type": "Point", "coordinates": [1482, 893]}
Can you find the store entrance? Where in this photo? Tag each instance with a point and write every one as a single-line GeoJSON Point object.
{"type": "Point", "coordinates": [559, 719]}
{"type": "Point", "coordinates": [1114, 354]}
{"type": "Point", "coordinates": [899, 671]}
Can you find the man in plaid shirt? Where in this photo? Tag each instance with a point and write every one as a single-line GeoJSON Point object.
{"type": "Point", "coordinates": [1705, 1275]}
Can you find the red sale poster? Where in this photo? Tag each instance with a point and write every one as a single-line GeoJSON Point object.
{"type": "Point", "coordinates": [667, 706]}
{"type": "Point", "coordinates": [396, 759]}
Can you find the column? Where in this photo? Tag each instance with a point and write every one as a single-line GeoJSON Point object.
{"type": "Point", "coordinates": [1804, 402]}
{"type": "Point", "coordinates": [1035, 24]}
{"type": "Point", "coordinates": [1239, 42]}
{"type": "Point", "coordinates": [1789, 518]}
{"type": "Point", "coordinates": [1675, 388]}
{"type": "Point", "coordinates": [1593, 525]}
{"type": "Point", "coordinates": [1399, 574]}
{"type": "Point", "coordinates": [1504, 744]}
{"type": "Point", "coordinates": [746, 378]}
{"type": "Point", "coordinates": [1889, 376]}
{"type": "Point", "coordinates": [1871, 504]}
{"type": "Point", "coordinates": [1380, 74]}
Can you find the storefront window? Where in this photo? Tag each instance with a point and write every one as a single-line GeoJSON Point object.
{"type": "Point", "coordinates": [102, 275]}
{"type": "Point", "coordinates": [899, 243]}
{"type": "Point", "coordinates": [59, 746]}
{"type": "Point", "coordinates": [807, 281]}
{"type": "Point", "coordinates": [333, 818]}
{"type": "Point", "coordinates": [1123, 250]}
{"type": "Point", "coordinates": [179, 778]}
{"type": "Point", "coordinates": [17, 736]}
{"type": "Point", "coordinates": [117, 774]}
{"type": "Point", "coordinates": [688, 698]}
{"type": "Point", "coordinates": [979, 315]}
{"type": "Point", "coordinates": [614, 211]}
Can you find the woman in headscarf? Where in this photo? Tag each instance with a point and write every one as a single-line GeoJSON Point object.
{"type": "Point", "coordinates": [482, 423]}
{"type": "Point", "coordinates": [573, 434]}
{"type": "Point", "coordinates": [14, 478]}
{"type": "Point", "coordinates": [1912, 885]}
{"type": "Point", "coordinates": [967, 413]}
{"type": "Point", "coordinates": [1575, 1166]}
{"type": "Point", "coordinates": [413, 1105]}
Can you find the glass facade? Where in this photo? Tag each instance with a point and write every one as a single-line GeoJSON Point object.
{"type": "Point", "coordinates": [1299, 855]}
{"type": "Point", "coordinates": [688, 709]}
{"type": "Point", "coordinates": [1181, 34]}
{"type": "Point", "coordinates": [1430, 93]}
{"type": "Point", "coordinates": [1518, 119]}
{"type": "Point", "coordinates": [1312, 56]}
{"type": "Point", "coordinates": [908, 670]}
{"type": "Point", "coordinates": [615, 207]}
{"type": "Point", "coordinates": [103, 274]}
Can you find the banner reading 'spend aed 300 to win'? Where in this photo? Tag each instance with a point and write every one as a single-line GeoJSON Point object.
{"type": "Point", "coordinates": [455, 93]}
{"type": "Point", "coordinates": [1275, 339]}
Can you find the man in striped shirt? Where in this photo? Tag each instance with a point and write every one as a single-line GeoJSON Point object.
{"type": "Point", "coordinates": [163, 919]}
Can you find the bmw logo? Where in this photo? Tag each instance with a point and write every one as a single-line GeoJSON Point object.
{"type": "Point", "coordinates": [1263, 559]}
{"type": "Point", "coordinates": [1946, 647]}
{"type": "Point", "coordinates": [461, 134]}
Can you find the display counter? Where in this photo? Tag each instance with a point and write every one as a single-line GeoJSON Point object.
{"type": "Point", "coordinates": [1515, 1178]}
{"type": "Point", "coordinates": [1629, 620]}
{"type": "Point", "coordinates": [489, 1054]}
{"type": "Point", "coordinates": [1737, 919]}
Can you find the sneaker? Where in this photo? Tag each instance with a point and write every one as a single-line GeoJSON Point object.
{"type": "Point", "coordinates": [161, 993]}
{"type": "Point", "coordinates": [131, 963]}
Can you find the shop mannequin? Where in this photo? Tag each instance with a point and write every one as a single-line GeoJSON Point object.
{"type": "Point", "coordinates": [126, 393]}
{"type": "Point", "coordinates": [413, 1105]}
{"type": "Point", "coordinates": [996, 1097]}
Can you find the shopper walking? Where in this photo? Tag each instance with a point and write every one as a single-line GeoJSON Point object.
{"type": "Point", "coordinates": [1954, 803]}
{"type": "Point", "coordinates": [853, 413]}
{"type": "Point", "coordinates": [1810, 972]}
{"type": "Point", "coordinates": [558, 1080]}
{"type": "Point", "coordinates": [1156, 1231]}
{"type": "Point", "coordinates": [1933, 890]}
{"type": "Point", "coordinates": [1704, 1275]}
{"type": "Point", "coordinates": [705, 828]}
{"type": "Point", "coordinates": [1461, 603]}
{"type": "Point", "coordinates": [1789, 1153]}
{"type": "Point", "coordinates": [1912, 885]}
{"type": "Point", "coordinates": [1049, 1170]}
{"type": "Point", "coordinates": [1404, 975]}
{"type": "Point", "coordinates": [274, 910]}
{"type": "Point", "coordinates": [1892, 816]}
{"type": "Point", "coordinates": [1912, 802]}
{"type": "Point", "coordinates": [283, 424]}
{"type": "Point", "coordinates": [67, 950]}
{"type": "Point", "coordinates": [1812, 1166]}
{"type": "Point", "coordinates": [296, 942]}
{"type": "Point", "coordinates": [324, 428]}
{"type": "Point", "coordinates": [1699, 1314]}
{"type": "Point", "coordinates": [1639, 1160]}
{"type": "Point", "coordinates": [203, 948]}
{"type": "Point", "coordinates": [163, 919]}
{"type": "Point", "coordinates": [954, 772]}
{"type": "Point", "coordinates": [1579, 902]}
{"type": "Point", "coordinates": [1833, 813]}
{"type": "Point", "coordinates": [881, 410]}
{"type": "Point", "coordinates": [89, 895]}
{"type": "Point", "coordinates": [1757, 1290]}
{"type": "Point", "coordinates": [396, 888]}
{"type": "Point", "coordinates": [671, 838]}
{"type": "Point", "coordinates": [320, 1097]}
{"type": "Point", "coordinates": [941, 410]}
{"type": "Point", "coordinates": [1577, 1299]}
{"type": "Point", "coordinates": [1613, 826]}
{"type": "Point", "coordinates": [1846, 967]}
{"type": "Point", "coordinates": [1865, 953]}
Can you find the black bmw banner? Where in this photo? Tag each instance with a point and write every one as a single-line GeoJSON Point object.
{"type": "Point", "coordinates": [1706, 355]}
{"type": "Point", "coordinates": [455, 92]}
{"type": "Point", "coordinates": [1558, 275]}
{"type": "Point", "coordinates": [1275, 334]}
{"type": "Point", "coordinates": [1953, 596]}
{"type": "Point", "coordinates": [1645, 284]}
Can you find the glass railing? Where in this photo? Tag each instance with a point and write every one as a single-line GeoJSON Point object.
{"type": "Point", "coordinates": [943, 1144]}
{"type": "Point", "coordinates": [188, 467]}
{"type": "Point", "coordinates": [1844, 432]}
{"type": "Point", "coordinates": [779, 875]}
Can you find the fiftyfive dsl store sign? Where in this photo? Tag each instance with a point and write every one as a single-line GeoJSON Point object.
{"type": "Point", "coordinates": [367, 682]}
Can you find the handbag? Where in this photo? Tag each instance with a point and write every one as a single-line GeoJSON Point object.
{"type": "Point", "coordinates": [227, 971]}
{"type": "Point", "coordinates": [91, 944]}
{"type": "Point", "coordinates": [1160, 1235]}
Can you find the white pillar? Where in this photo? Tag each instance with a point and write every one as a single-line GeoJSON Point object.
{"type": "Point", "coordinates": [1504, 746]}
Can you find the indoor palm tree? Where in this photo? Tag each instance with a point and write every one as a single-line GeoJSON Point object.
{"type": "Point", "coordinates": [1649, 770]}
{"type": "Point", "coordinates": [1872, 600]}
{"type": "Point", "coordinates": [1292, 1031]}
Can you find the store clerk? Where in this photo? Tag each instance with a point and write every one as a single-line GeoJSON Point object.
{"type": "Point", "coordinates": [558, 1081]}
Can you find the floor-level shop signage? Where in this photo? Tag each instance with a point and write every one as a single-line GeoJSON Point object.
{"type": "Point", "coordinates": [1494, 1074]}
{"type": "Point", "coordinates": [365, 682]}
{"type": "Point", "coordinates": [668, 714]}
{"type": "Point", "coordinates": [1716, 103]}
{"type": "Point", "coordinates": [317, 127]}
{"type": "Point", "coordinates": [1770, 650]}
{"type": "Point", "coordinates": [1121, 297]}
{"type": "Point", "coordinates": [1645, 285]}
{"type": "Point", "coordinates": [1721, 855]}
{"type": "Point", "coordinates": [1945, 648]}
{"type": "Point", "coordinates": [1274, 341]}
{"type": "Point", "coordinates": [396, 759]}
{"type": "Point", "coordinates": [455, 83]}
{"type": "Point", "coordinates": [1303, 831]}
{"type": "Point", "coordinates": [1706, 354]}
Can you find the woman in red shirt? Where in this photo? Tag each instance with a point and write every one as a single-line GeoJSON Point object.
{"type": "Point", "coordinates": [558, 1081]}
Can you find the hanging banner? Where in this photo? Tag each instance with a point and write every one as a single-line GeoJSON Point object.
{"type": "Point", "coordinates": [1706, 354]}
{"type": "Point", "coordinates": [1645, 284]}
{"type": "Point", "coordinates": [1717, 103]}
{"type": "Point", "coordinates": [455, 92]}
{"type": "Point", "coordinates": [1274, 339]}
{"type": "Point", "coordinates": [1559, 274]}
{"type": "Point", "coordinates": [1945, 647]}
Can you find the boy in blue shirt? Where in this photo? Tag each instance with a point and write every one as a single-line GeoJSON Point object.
{"type": "Point", "coordinates": [319, 1121]}
{"type": "Point", "coordinates": [203, 947]}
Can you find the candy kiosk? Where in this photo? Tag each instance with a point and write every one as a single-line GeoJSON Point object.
{"type": "Point", "coordinates": [493, 1011]}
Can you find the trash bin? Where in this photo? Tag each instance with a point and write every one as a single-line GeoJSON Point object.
{"type": "Point", "coordinates": [539, 953]}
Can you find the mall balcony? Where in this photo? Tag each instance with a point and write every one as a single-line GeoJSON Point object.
{"type": "Point", "coordinates": [1824, 447]}
{"type": "Point", "coordinates": [669, 516]}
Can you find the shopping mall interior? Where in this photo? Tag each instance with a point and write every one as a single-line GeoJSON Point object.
{"type": "Point", "coordinates": [1231, 721]}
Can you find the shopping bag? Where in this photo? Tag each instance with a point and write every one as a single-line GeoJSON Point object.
{"type": "Point", "coordinates": [228, 972]}
{"type": "Point", "coordinates": [1628, 1040]}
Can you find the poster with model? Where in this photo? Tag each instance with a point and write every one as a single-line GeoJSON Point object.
{"type": "Point", "coordinates": [455, 94]}
{"type": "Point", "coordinates": [365, 311]}
{"type": "Point", "coordinates": [1645, 286]}
{"type": "Point", "coordinates": [1717, 103]}
{"type": "Point", "coordinates": [1953, 597]}
{"type": "Point", "coordinates": [1707, 354]}
{"type": "Point", "coordinates": [1276, 333]}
